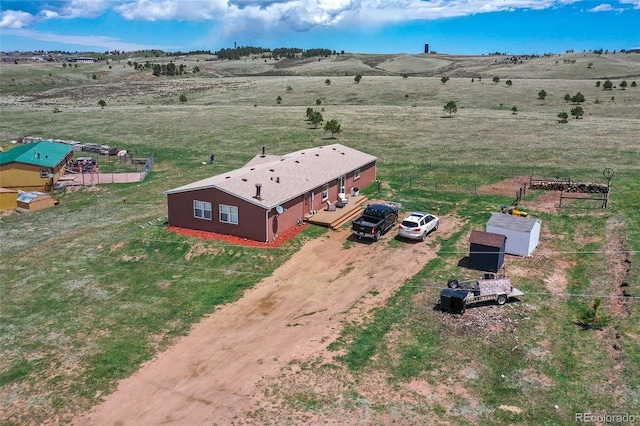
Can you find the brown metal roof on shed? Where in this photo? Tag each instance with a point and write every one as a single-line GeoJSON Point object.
{"type": "Point", "coordinates": [487, 239]}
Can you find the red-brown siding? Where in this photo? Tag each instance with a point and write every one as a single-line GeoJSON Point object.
{"type": "Point", "coordinates": [251, 218]}
{"type": "Point", "coordinates": [255, 222]}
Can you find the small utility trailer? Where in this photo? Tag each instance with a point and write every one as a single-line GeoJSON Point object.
{"type": "Point", "coordinates": [460, 294]}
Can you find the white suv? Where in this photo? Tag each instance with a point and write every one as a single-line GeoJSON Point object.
{"type": "Point", "coordinates": [418, 225]}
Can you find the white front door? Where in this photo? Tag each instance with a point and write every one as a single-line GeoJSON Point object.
{"type": "Point", "coordinates": [342, 185]}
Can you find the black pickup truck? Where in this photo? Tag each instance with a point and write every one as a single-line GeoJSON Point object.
{"type": "Point", "coordinates": [376, 219]}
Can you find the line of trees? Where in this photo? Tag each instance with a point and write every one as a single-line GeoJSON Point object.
{"type": "Point", "coordinates": [239, 52]}
{"type": "Point", "coordinates": [280, 52]}
{"type": "Point", "coordinates": [169, 69]}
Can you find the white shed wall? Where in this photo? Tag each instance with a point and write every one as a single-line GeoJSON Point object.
{"type": "Point", "coordinates": [519, 243]}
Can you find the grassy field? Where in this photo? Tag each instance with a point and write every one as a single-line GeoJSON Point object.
{"type": "Point", "coordinates": [93, 287]}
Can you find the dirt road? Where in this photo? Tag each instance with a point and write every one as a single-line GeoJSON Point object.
{"type": "Point", "coordinates": [210, 375]}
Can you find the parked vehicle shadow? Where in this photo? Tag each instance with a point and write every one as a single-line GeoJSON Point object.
{"type": "Point", "coordinates": [407, 240]}
{"type": "Point", "coordinates": [355, 239]}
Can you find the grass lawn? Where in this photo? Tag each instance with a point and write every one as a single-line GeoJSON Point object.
{"type": "Point", "coordinates": [92, 288]}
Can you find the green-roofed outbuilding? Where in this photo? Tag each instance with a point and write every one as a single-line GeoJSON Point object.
{"type": "Point", "coordinates": [34, 166]}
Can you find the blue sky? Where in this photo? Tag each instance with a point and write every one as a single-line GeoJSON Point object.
{"type": "Point", "coordinates": [356, 26]}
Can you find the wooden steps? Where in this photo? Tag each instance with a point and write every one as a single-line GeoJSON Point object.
{"type": "Point", "coordinates": [336, 219]}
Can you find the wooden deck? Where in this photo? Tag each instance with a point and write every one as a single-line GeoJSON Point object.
{"type": "Point", "coordinates": [335, 219]}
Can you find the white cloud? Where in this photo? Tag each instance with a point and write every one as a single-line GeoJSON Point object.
{"type": "Point", "coordinates": [297, 15]}
{"type": "Point", "coordinates": [635, 3]}
{"type": "Point", "coordinates": [66, 10]}
{"type": "Point", "coordinates": [16, 19]}
{"type": "Point", "coordinates": [304, 14]}
{"type": "Point", "coordinates": [84, 8]}
{"type": "Point", "coordinates": [93, 42]}
{"type": "Point", "coordinates": [152, 10]}
{"type": "Point", "coordinates": [604, 7]}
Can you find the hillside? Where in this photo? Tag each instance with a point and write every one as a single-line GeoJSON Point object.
{"type": "Point", "coordinates": [98, 296]}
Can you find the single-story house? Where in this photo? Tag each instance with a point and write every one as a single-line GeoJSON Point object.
{"type": "Point", "coordinates": [34, 200]}
{"type": "Point", "coordinates": [523, 233]}
{"type": "Point", "coordinates": [271, 193]}
{"type": "Point", "coordinates": [34, 166]}
{"type": "Point", "coordinates": [486, 251]}
{"type": "Point", "coordinates": [8, 199]}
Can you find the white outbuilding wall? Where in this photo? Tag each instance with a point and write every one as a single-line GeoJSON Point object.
{"type": "Point", "coordinates": [523, 233]}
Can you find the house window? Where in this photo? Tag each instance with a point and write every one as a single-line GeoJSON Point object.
{"type": "Point", "coordinates": [202, 210]}
{"type": "Point", "coordinates": [44, 173]}
{"type": "Point", "coordinates": [229, 214]}
{"type": "Point", "coordinates": [325, 192]}
{"type": "Point", "coordinates": [356, 174]}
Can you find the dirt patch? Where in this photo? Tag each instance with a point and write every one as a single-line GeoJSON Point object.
{"type": "Point", "coordinates": [488, 319]}
{"type": "Point", "coordinates": [218, 372]}
{"type": "Point", "coordinates": [506, 187]}
{"type": "Point", "coordinates": [558, 281]}
{"type": "Point", "coordinates": [544, 201]}
{"type": "Point", "coordinates": [620, 266]}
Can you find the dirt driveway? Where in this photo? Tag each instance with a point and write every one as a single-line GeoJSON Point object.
{"type": "Point", "coordinates": [211, 375]}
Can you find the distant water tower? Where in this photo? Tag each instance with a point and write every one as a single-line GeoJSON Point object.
{"type": "Point", "coordinates": [426, 48]}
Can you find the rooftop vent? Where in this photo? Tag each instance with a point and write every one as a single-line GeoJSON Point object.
{"type": "Point", "coordinates": [258, 188]}
{"type": "Point", "coordinates": [263, 152]}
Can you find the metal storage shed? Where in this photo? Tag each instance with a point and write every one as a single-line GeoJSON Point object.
{"type": "Point", "coordinates": [523, 233]}
{"type": "Point", "coordinates": [34, 200]}
{"type": "Point", "coordinates": [486, 251]}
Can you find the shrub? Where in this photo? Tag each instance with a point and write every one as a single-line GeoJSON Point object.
{"type": "Point", "coordinates": [563, 117]}
{"type": "Point", "coordinates": [592, 316]}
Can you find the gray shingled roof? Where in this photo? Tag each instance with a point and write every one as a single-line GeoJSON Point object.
{"type": "Point", "coordinates": [514, 223]}
{"type": "Point", "coordinates": [284, 177]}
